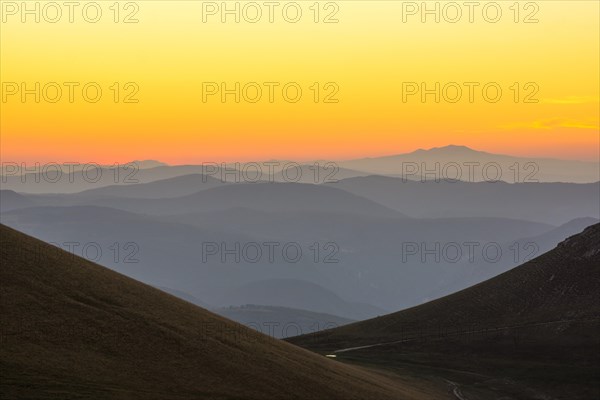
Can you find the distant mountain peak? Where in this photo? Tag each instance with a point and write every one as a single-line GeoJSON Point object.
{"type": "Point", "coordinates": [451, 148]}
{"type": "Point", "coordinates": [145, 164]}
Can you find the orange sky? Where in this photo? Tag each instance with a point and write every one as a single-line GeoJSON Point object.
{"type": "Point", "coordinates": [369, 61]}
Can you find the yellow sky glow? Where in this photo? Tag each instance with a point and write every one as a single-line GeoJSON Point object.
{"type": "Point", "coordinates": [365, 65]}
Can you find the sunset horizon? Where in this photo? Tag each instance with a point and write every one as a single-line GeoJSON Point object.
{"type": "Point", "coordinates": [300, 200]}
{"type": "Point", "coordinates": [358, 82]}
{"type": "Point", "coordinates": [525, 153]}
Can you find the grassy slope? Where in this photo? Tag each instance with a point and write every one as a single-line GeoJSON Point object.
{"type": "Point", "coordinates": [534, 326]}
{"type": "Point", "coordinates": [562, 284]}
{"type": "Point", "coordinates": [73, 329]}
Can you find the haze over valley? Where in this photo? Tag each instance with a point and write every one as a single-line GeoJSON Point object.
{"type": "Point", "coordinates": [365, 270]}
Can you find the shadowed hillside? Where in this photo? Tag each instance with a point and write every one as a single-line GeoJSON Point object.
{"type": "Point", "coordinates": [73, 329]}
{"type": "Point", "coordinates": [560, 285]}
{"type": "Point", "coordinates": [536, 323]}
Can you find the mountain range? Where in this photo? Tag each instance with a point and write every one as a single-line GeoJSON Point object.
{"type": "Point", "coordinates": [449, 164]}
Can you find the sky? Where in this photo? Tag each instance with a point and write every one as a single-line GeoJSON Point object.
{"type": "Point", "coordinates": [314, 80]}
